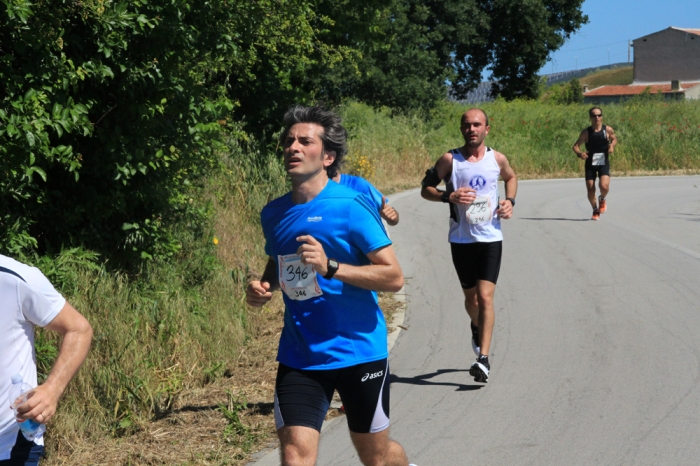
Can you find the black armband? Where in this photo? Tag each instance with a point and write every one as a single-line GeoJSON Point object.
{"type": "Point", "coordinates": [431, 178]}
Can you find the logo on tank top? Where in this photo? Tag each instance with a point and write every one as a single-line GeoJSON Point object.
{"type": "Point", "coordinates": [314, 219]}
{"type": "Point", "coordinates": [478, 182]}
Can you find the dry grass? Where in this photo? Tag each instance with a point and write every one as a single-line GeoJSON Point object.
{"type": "Point", "coordinates": [193, 432]}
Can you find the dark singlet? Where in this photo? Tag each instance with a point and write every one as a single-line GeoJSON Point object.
{"type": "Point", "coordinates": [597, 141]}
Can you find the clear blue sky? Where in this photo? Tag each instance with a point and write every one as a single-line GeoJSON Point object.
{"type": "Point", "coordinates": [612, 23]}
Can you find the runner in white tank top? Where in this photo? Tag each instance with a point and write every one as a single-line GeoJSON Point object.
{"type": "Point", "coordinates": [477, 222]}
{"type": "Point", "coordinates": [471, 174]}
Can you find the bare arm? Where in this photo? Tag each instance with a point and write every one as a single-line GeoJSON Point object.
{"type": "Point", "coordinates": [388, 213]}
{"type": "Point", "coordinates": [443, 168]}
{"type": "Point", "coordinates": [505, 210]}
{"type": "Point", "coordinates": [77, 335]}
{"type": "Point", "coordinates": [382, 274]}
{"type": "Point", "coordinates": [582, 139]}
{"type": "Point", "coordinates": [612, 139]}
{"type": "Point", "coordinates": [260, 291]}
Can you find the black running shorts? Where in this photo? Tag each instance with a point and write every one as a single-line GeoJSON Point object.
{"type": "Point", "coordinates": [302, 397]}
{"type": "Point", "coordinates": [477, 261]}
{"type": "Point", "coordinates": [599, 170]}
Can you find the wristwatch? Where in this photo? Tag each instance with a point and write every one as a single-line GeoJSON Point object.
{"type": "Point", "coordinates": [512, 201]}
{"type": "Point", "coordinates": [445, 197]}
{"type": "Point", "coordinates": [332, 268]}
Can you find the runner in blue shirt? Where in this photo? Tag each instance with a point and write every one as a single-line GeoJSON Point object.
{"type": "Point", "coordinates": [329, 254]}
{"type": "Point", "coordinates": [363, 186]}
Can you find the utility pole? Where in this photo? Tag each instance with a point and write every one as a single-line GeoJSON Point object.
{"type": "Point", "coordinates": [629, 47]}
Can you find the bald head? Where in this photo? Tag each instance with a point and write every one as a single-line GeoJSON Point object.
{"type": "Point", "coordinates": [472, 112]}
{"type": "Point", "coordinates": [474, 127]}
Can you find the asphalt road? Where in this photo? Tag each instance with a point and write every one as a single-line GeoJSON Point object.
{"type": "Point", "coordinates": [596, 352]}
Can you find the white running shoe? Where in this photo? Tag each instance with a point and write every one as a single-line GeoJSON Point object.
{"type": "Point", "coordinates": [480, 370]}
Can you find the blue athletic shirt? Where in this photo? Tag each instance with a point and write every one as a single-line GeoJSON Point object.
{"type": "Point", "coordinates": [344, 326]}
{"type": "Point", "coordinates": [363, 186]}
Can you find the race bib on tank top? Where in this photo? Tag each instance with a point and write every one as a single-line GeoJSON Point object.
{"type": "Point", "coordinates": [480, 211]}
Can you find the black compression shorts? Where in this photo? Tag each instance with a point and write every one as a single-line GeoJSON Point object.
{"type": "Point", "coordinates": [477, 261]}
{"type": "Point", "coordinates": [599, 170]}
{"type": "Point", "coordinates": [302, 397]}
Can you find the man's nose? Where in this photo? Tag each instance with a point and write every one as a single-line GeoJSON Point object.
{"type": "Point", "coordinates": [295, 145]}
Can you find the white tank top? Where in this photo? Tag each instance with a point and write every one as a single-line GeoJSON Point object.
{"type": "Point", "coordinates": [477, 223]}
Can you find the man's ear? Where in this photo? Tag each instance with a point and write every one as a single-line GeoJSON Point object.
{"type": "Point", "coordinates": [329, 158]}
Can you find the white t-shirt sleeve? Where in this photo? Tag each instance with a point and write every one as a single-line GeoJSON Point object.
{"type": "Point", "coordinates": [39, 300]}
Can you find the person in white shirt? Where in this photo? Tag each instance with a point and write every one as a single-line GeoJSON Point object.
{"type": "Point", "coordinates": [471, 174]}
{"type": "Point", "coordinates": [27, 299]}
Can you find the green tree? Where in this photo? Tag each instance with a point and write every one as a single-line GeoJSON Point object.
{"type": "Point", "coordinates": [110, 112]}
{"type": "Point", "coordinates": [565, 94]}
{"type": "Point", "coordinates": [575, 91]}
{"type": "Point", "coordinates": [412, 49]}
{"type": "Point", "coordinates": [523, 34]}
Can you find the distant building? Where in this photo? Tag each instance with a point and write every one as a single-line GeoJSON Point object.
{"type": "Point", "coordinates": [673, 53]}
{"type": "Point", "coordinates": [673, 90]}
{"type": "Point", "coordinates": [666, 62]}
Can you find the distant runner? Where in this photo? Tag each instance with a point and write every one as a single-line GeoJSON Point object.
{"type": "Point", "coordinates": [471, 174]}
{"type": "Point", "coordinates": [363, 186]}
{"type": "Point", "coordinates": [328, 250]}
{"type": "Point", "coordinates": [600, 142]}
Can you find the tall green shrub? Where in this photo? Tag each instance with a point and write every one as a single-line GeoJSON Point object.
{"type": "Point", "coordinates": [110, 112]}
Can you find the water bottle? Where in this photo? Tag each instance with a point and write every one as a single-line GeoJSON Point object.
{"type": "Point", "coordinates": [18, 396]}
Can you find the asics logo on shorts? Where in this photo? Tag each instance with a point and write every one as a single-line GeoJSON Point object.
{"type": "Point", "coordinates": [369, 376]}
{"type": "Point", "coordinates": [478, 182]}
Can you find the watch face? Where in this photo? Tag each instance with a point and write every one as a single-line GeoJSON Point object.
{"type": "Point", "coordinates": [333, 263]}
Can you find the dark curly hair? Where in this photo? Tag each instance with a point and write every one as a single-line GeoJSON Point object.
{"type": "Point", "coordinates": [334, 136]}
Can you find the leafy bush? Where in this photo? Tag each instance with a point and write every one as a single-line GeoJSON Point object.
{"type": "Point", "coordinates": [111, 113]}
{"type": "Point", "coordinates": [566, 93]}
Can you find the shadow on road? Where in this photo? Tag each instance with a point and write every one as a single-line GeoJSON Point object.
{"type": "Point", "coordinates": [422, 380]}
{"type": "Point", "coordinates": [557, 219]}
{"type": "Point", "coordinates": [689, 217]}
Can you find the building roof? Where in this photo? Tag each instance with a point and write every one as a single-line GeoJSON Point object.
{"type": "Point", "coordinates": [693, 31]}
{"type": "Point", "coordinates": [637, 89]}
{"type": "Point", "coordinates": [690, 31]}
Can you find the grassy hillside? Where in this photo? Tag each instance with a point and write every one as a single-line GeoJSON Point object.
{"type": "Point", "coordinates": [617, 76]}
